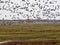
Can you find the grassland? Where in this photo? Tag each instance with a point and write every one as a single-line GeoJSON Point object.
{"type": "Point", "coordinates": [30, 32]}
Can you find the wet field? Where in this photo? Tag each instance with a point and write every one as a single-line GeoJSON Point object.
{"type": "Point", "coordinates": [31, 43]}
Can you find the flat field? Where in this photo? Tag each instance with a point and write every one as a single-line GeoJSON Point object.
{"type": "Point", "coordinates": [30, 33]}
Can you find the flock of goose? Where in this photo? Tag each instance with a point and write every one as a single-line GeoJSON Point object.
{"type": "Point", "coordinates": [29, 9]}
